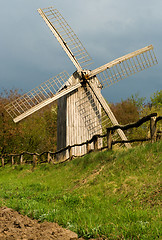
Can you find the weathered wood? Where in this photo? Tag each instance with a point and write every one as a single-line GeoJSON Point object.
{"type": "Point", "coordinates": [95, 142]}
{"type": "Point", "coordinates": [45, 103]}
{"type": "Point", "coordinates": [119, 60]}
{"type": "Point", "coordinates": [2, 160]}
{"type": "Point", "coordinates": [109, 139]}
{"type": "Point", "coordinates": [108, 111]}
{"type": "Point", "coordinates": [71, 129]}
{"type": "Point", "coordinates": [48, 157]}
{"type": "Point", "coordinates": [12, 160]}
{"type": "Point", "coordinates": [34, 160]}
{"type": "Point", "coordinates": [60, 39]}
{"type": "Point", "coordinates": [70, 152]}
{"type": "Point", "coordinates": [87, 146]}
{"type": "Point", "coordinates": [21, 159]}
{"type": "Point", "coordinates": [153, 121]}
{"type": "Point", "coordinates": [135, 124]}
{"type": "Point", "coordinates": [153, 129]}
{"type": "Point", "coordinates": [61, 127]}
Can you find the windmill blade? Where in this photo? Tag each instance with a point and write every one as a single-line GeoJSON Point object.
{"type": "Point", "coordinates": [93, 115]}
{"type": "Point", "coordinates": [125, 66]}
{"type": "Point", "coordinates": [66, 37]}
{"type": "Point", "coordinates": [108, 111]}
{"type": "Point", "coordinates": [90, 111]}
{"type": "Point", "coordinates": [40, 96]}
{"type": "Point", "coordinates": [96, 113]}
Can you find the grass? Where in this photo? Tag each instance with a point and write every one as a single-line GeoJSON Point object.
{"type": "Point", "coordinates": [114, 195]}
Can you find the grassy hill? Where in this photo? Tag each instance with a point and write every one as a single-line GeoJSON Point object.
{"type": "Point", "coordinates": [114, 195]}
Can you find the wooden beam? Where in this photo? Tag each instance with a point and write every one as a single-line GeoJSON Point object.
{"type": "Point", "coordinates": [2, 159]}
{"type": "Point", "coordinates": [48, 157]}
{"type": "Point", "coordinates": [95, 142]}
{"type": "Point", "coordinates": [119, 60]}
{"type": "Point", "coordinates": [70, 152]}
{"type": "Point", "coordinates": [135, 124]}
{"type": "Point", "coordinates": [21, 159]}
{"type": "Point", "coordinates": [46, 102]}
{"type": "Point", "coordinates": [12, 160]}
{"type": "Point", "coordinates": [60, 40]}
{"type": "Point", "coordinates": [87, 146]}
{"type": "Point", "coordinates": [34, 160]}
{"type": "Point", "coordinates": [108, 111]}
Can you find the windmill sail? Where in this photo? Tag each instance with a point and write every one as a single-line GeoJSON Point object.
{"type": "Point", "coordinates": [92, 105]}
{"type": "Point", "coordinates": [93, 115]}
{"type": "Point", "coordinates": [96, 113]}
{"type": "Point", "coordinates": [40, 96]}
{"type": "Point", "coordinates": [109, 74]}
{"type": "Point", "coordinates": [125, 66]}
{"type": "Point", "coordinates": [90, 111]}
{"type": "Point", "coordinates": [66, 37]}
{"type": "Point", "coordinates": [108, 111]}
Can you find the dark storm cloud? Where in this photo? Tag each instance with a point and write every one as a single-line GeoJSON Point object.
{"type": "Point", "coordinates": [29, 54]}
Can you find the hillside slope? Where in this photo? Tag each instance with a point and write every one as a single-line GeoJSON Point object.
{"type": "Point", "coordinates": [114, 195]}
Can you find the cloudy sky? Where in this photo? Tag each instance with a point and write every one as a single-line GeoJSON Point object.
{"type": "Point", "coordinates": [108, 29]}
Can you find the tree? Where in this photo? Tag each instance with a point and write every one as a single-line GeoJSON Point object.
{"type": "Point", "coordinates": [139, 102]}
{"type": "Point", "coordinates": [156, 100]}
{"type": "Point", "coordinates": [37, 133]}
{"type": "Point", "coordinates": [125, 111]}
{"type": "Point", "coordinates": [9, 132]}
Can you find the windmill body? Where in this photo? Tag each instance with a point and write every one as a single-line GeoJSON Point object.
{"type": "Point", "coordinates": [70, 123]}
{"type": "Point", "coordinates": [82, 110]}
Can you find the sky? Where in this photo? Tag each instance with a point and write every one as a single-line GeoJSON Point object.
{"type": "Point", "coordinates": [108, 29]}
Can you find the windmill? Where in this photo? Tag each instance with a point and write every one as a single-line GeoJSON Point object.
{"type": "Point", "coordinates": [82, 110]}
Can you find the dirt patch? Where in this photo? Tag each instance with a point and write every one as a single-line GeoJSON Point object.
{"type": "Point", "coordinates": [14, 226]}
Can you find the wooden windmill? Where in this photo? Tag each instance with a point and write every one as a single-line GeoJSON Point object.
{"type": "Point", "coordinates": [81, 106]}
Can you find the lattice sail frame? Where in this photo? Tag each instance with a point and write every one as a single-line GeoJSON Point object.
{"type": "Point", "coordinates": [66, 37]}
{"type": "Point", "coordinates": [107, 74]}
{"type": "Point", "coordinates": [38, 95]}
{"type": "Point", "coordinates": [125, 66]}
{"type": "Point", "coordinates": [94, 117]}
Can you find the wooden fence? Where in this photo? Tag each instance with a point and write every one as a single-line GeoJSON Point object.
{"type": "Point", "coordinates": [52, 156]}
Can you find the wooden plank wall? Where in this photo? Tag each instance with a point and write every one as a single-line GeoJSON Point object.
{"type": "Point", "coordinates": [61, 125]}
{"type": "Point", "coordinates": [71, 126]}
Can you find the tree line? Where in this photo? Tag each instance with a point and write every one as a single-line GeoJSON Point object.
{"type": "Point", "coordinates": [38, 132]}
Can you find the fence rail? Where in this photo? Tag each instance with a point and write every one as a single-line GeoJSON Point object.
{"type": "Point", "coordinates": [52, 156]}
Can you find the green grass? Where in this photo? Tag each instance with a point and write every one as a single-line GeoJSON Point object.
{"type": "Point", "coordinates": [115, 195]}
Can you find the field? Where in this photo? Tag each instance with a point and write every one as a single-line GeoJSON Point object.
{"type": "Point", "coordinates": [112, 194]}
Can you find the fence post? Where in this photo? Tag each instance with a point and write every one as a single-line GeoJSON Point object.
{"type": "Point", "coordinates": [12, 160]}
{"type": "Point", "coordinates": [53, 158]}
{"type": "Point", "coordinates": [70, 152]}
{"type": "Point", "coordinates": [95, 142]}
{"type": "Point", "coordinates": [2, 161]}
{"type": "Point", "coordinates": [48, 157]}
{"type": "Point", "coordinates": [153, 129]}
{"type": "Point", "coordinates": [34, 160]}
{"type": "Point", "coordinates": [87, 146]}
{"type": "Point", "coordinates": [21, 159]}
{"type": "Point", "coordinates": [109, 139]}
